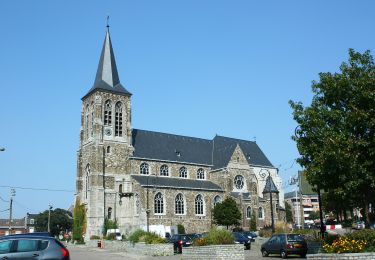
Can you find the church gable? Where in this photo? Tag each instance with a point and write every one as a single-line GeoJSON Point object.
{"type": "Point", "coordinates": [238, 156]}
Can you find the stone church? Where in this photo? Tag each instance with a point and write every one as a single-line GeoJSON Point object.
{"type": "Point", "coordinates": [142, 178]}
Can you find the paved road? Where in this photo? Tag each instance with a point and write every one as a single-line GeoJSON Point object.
{"type": "Point", "coordinates": [86, 253]}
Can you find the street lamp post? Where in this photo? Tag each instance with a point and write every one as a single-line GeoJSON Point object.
{"type": "Point", "coordinates": [12, 194]}
{"type": "Point", "coordinates": [49, 217]}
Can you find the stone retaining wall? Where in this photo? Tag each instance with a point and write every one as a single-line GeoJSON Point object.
{"type": "Point", "coordinates": [126, 246]}
{"type": "Point", "coordinates": [221, 252]}
{"type": "Point", "coordinates": [352, 256]}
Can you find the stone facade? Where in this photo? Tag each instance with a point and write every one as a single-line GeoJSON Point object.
{"type": "Point", "coordinates": [107, 161]}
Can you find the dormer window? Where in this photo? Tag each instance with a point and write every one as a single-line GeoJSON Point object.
{"type": "Point", "coordinates": [178, 153]}
{"type": "Point", "coordinates": [200, 174]}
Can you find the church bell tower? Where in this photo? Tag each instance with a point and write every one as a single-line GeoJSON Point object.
{"type": "Point", "coordinates": [105, 142]}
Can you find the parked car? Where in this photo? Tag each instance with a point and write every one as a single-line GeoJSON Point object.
{"type": "Point", "coordinates": [28, 246]}
{"type": "Point", "coordinates": [359, 225]}
{"type": "Point", "coordinates": [241, 239]}
{"type": "Point", "coordinates": [285, 244]}
{"type": "Point", "coordinates": [179, 241]}
{"type": "Point", "coordinates": [250, 234]}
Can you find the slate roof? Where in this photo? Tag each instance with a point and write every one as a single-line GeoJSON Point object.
{"type": "Point", "coordinates": [107, 78]}
{"type": "Point", "coordinates": [215, 153]}
{"type": "Point", "coordinates": [270, 186]}
{"type": "Point", "coordinates": [176, 183]}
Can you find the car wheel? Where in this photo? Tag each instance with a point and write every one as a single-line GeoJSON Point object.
{"type": "Point", "coordinates": [264, 252]}
{"type": "Point", "coordinates": [283, 254]}
{"type": "Point", "coordinates": [303, 255]}
{"type": "Point", "coordinates": [248, 247]}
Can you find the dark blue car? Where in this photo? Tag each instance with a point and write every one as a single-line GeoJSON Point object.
{"type": "Point", "coordinates": [241, 239]}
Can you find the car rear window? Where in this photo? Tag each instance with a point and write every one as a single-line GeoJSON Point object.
{"type": "Point", "coordinates": [295, 237]}
{"type": "Point", "coordinates": [43, 244]}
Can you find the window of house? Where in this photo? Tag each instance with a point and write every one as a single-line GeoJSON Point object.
{"type": "Point", "coordinates": [118, 119]}
{"type": "Point", "coordinates": [217, 200]}
{"type": "Point", "coordinates": [164, 171]}
{"type": "Point", "coordinates": [87, 121]}
{"type": "Point", "coordinates": [248, 212]}
{"type": "Point", "coordinates": [32, 221]}
{"type": "Point", "coordinates": [137, 204]}
{"type": "Point", "coordinates": [239, 182]}
{"type": "Point", "coordinates": [200, 174]}
{"type": "Point", "coordinates": [92, 119]}
{"type": "Point", "coordinates": [260, 212]}
{"type": "Point", "coordinates": [108, 113]}
{"type": "Point", "coordinates": [199, 205]}
{"type": "Point", "coordinates": [87, 179]}
{"type": "Point", "coordinates": [143, 169]}
{"type": "Point", "coordinates": [179, 204]}
{"type": "Point", "coordinates": [159, 203]}
{"type": "Point", "coordinates": [183, 172]}
{"type": "Point", "coordinates": [109, 213]}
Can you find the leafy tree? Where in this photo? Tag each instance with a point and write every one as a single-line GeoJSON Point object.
{"type": "Point", "coordinates": [227, 213]}
{"type": "Point", "coordinates": [79, 224]}
{"type": "Point", "coordinates": [335, 137]}
{"type": "Point", "coordinates": [314, 215]}
{"type": "Point", "coordinates": [253, 222]}
{"type": "Point", "coordinates": [288, 213]}
{"type": "Point", "coordinates": [60, 221]}
{"type": "Point", "coordinates": [181, 229]}
{"type": "Point", "coordinates": [109, 224]}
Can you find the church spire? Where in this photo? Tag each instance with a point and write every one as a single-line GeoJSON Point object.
{"type": "Point", "coordinates": [107, 78]}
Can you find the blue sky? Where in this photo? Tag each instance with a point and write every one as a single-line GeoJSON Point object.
{"type": "Point", "coordinates": [195, 68]}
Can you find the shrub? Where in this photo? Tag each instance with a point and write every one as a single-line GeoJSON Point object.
{"type": "Point", "coordinates": [111, 236]}
{"type": "Point", "coordinates": [367, 235]}
{"type": "Point", "coordinates": [134, 237]}
{"type": "Point", "coordinates": [265, 232]}
{"type": "Point", "coordinates": [181, 229]}
{"type": "Point", "coordinates": [219, 237]}
{"type": "Point", "coordinates": [94, 237]}
{"type": "Point", "coordinates": [345, 245]}
{"type": "Point", "coordinates": [200, 241]}
{"type": "Point", "coordinates": [281, 227]}
{"type": "Point", "coordinates": [147, 237]}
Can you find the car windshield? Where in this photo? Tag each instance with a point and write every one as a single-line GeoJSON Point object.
{"type": "Point", "coordinates": [295, 237]}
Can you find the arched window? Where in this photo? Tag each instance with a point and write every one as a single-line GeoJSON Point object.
{"type": "Point", "coordinates": [239, 182]}
{"type": "Point", "coordinates": [108, 149]}
{"type": "Point", "coordinates": [217, 200]}
{"type": "Point", "coordinates": [118, 119]}
{"type": "Point", "coordinates": [199, 205]}
{"type": "Point", "coordinates": [137, 204]}
{"type": "Point", "coordinates": [159, 203]}
{"type": "Point", "coordinates": [92, 119]}
{"type": "Point", "coordinates": [179, 204]}
{"type": "Point", "coordinates": [109, 213]}
{"type": "Point", "coordinates": [143, 169]}
{"type": "Point", "coordinates": [164, 171]}
{"type": "Point", "coordinates": [183, 172]}
{"type": "Point", "coordinates": [108, 113]}
{"type": "Point", "coordinates": [248, 212]}
{"type": "Point", "coordinates": [87, 179]}
{"type": "Point", "coordinates": [120, 188]}
{"type": "Point", "coordinates": [200, 174]}
{"type": "Point", "coordinates": [87, 121]}
{"type": "Point", "coordinates": [260, 212]}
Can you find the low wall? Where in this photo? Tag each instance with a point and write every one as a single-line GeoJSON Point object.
{"type": "Point", "coordinates": [222, 252]}
{"type": "Point", "coordinates": [351, 256]}
{"type": "Point", "coordinates": [143, 248]}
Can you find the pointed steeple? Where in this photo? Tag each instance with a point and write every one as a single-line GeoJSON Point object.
{"type": "Point", "coordinates": [270, 186]}
{"type": "Point", "coordinates": [107, 78]}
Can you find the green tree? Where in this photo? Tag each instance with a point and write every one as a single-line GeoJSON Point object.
{"type": "Point", "coordinates": [60, 221]}
{"type": "Point", "coordinates": [253, 222]}
{"type": "Point", "coordinates": [314, 215]}
{"type": "Point", "coordinates": [109, 224]}
{"type": "Point", "coordinates": [227, 213]}
{"type": "Point", "coordinates": [288, 213]}
{"type": "Point", "coordinates": [79, 224]}
{"type": "Point", "coordinates": [335, 137]}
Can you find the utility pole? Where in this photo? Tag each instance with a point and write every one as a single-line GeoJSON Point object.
{"type": "Point", "coordinates": [49, 216]}
{"type": "Point", "coordinates": [12, 194]}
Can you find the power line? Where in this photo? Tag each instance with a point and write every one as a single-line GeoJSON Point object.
{"type": "Point", "coordinates": [29, 188]}
{"type": "Point", "coordinates": [3, 199]}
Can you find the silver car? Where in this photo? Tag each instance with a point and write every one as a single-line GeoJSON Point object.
{"type": "Point", "coordinates": [32, 247]}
